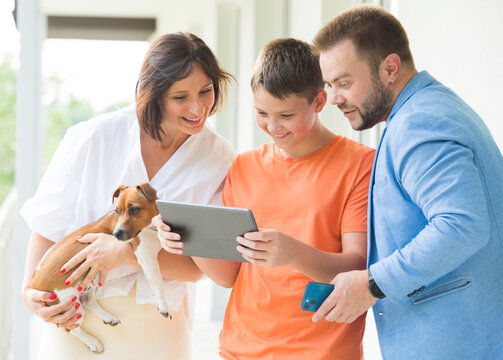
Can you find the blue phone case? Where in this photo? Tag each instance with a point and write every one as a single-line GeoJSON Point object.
{"type": "Point", "coordinates": [314, 295]}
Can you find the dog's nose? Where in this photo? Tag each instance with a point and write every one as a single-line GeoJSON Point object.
{"type": "Point", "coordinates": [118, 233]}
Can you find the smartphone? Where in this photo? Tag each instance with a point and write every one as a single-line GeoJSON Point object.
{"type": "Point", "coordinates": [314, 295]}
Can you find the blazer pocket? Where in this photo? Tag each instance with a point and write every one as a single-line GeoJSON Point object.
{"type": "Point", "coordinates": [441, 290]}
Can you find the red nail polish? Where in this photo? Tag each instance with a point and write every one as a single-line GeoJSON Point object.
{"type": "Point", "coordinates": [62, 271]}
{"type": "Point", "coordinates": [77, 305]}
{"type": "Point", "coordinates": [74, 298]}
{"type": "Point", "coordinates": [53, 296]}
{"type": "Point", "coordinates": [100, 284]}
{"type": "Point", "coordinates": [77, 325]}
{"type": "Point", "coordinates": [67, 283]}
{"type": "Point", "coordinates": [79, 316]}
{"type": "Point", "coordinates": [79, 237]}
{"type": "Point", "coordinates": [79, 288]}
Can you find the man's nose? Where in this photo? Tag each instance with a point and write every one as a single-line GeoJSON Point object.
{"type": "Point", "coordinates": [336, 98]}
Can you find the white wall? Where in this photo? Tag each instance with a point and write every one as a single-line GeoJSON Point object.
{"type": "Point", "coordinates": [461, 44]}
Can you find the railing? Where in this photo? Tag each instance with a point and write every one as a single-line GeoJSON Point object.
{"type": "Point", "coordinates": [7, 216]}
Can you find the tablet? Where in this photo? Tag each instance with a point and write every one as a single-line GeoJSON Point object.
{"type": "Point", "coordinates": [208, 231]}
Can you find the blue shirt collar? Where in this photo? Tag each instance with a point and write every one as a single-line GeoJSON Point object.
{"type": "Point", "coordinates": [418, 82]}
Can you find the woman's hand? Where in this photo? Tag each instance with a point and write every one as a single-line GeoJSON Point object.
{"type": "Point", "coordinates": [104, 253]}
{"type": "Point", "coordinates": [170, 241]}
{"type": "Point", "coordinates": [267, 247]}
{"type": "Point", "coordinates": [63, 314]}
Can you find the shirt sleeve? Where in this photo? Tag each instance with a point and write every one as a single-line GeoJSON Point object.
{"type": "Point", "coordinates": [227, 198]}
{"type": "Point", "coordinates": [52, 209]}
{"type": "Point", "coordinates": [354, 218]}
{"type": "Point", "coordinates": [439, 174]}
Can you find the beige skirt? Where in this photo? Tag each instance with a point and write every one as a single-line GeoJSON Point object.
{"type": "Point", "coordinates": [143, 334]}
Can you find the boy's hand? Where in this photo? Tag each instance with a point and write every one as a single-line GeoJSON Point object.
{"type": "Point", "coordinates": [267, 247]}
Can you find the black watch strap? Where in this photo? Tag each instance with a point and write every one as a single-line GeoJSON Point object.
{"type": "Point", "coordinates": [374, 288]}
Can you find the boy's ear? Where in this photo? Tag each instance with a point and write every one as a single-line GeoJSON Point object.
{"type": "Point", "coordinates": [320, 100]}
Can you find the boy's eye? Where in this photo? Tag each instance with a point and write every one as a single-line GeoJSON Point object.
{"type": "Point", "coordinates": [134, 210]}
{"type": "Point", "coordinates": [261, 113]}
{"type": "Point", "coordinates": [286, 116]}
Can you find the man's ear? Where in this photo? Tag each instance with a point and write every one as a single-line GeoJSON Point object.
{"type": "Point", "coordinates": [390, 68]}
{"type": "Point", "coordinates": [118, 191]}
{"type": "Point", "coordinates": [320, 100]}
{"type": "Point", "coordinates": [147, 190]}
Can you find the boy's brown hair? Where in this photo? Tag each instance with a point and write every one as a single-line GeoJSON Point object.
{"type": "Point", "coordinates": [288, 66]}
{"type": "Point", "coordinates": [374, 32]}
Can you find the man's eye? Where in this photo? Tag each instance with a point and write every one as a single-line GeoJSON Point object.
{"type": "Point", "coordinates": [134, 210]}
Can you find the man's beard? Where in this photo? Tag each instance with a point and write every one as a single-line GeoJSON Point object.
{"type": "Point", "coordinates": [376, 106]}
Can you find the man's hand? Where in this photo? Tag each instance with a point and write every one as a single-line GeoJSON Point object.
{"type": "Point", "coordinates": [350, 299]}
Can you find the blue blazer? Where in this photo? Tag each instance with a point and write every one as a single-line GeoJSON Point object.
{"type": "Point", "coordinates": [436, 229]}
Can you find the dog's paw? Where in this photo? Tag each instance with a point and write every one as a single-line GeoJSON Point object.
{"type": "Point", "coordinates": [95, 346]}
{"type": "Point", "coordinates": [166, 314]}
{"type": "Point", "coordinates": [112, 322]}
{"type": "Point", "coordinates": [92, 343]}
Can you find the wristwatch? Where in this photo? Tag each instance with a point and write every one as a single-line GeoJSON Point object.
{"type": "Point", "coordinates": [374, 288]}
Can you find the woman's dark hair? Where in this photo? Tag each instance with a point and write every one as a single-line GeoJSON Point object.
{"type": "Point", "coordinates": [170, 58]}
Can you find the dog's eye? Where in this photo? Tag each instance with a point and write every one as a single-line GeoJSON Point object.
{"type": "Point", "coordinates": [134, 210]}
{"type": "Point", "coordinates": [116, 212]}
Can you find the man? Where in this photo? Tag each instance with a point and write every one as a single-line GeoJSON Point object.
{"type": "Point", "coordinates": [435, 244]}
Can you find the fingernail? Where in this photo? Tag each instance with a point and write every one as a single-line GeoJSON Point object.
{"type": "Point", "coordinates": [76, 325]}
{"type": "Point", "coordinates": [79, 288]}
{"type": "Point", "coordinates": [79, 316]}
{"type": "Point", "coordinates": [62, 271]}
{"type": "Point", "coordinates": [53, 296]}
{"type": "Point", "coordinates": [67, 283]}
{"type": "Point", "coordinates": [77, 305]}
{"type": "Point", "coordinates": [79, 237]}
{"type": "Point", "coordinates": [74, 298]}
{"type": "Point", "coordinates": [100, 284]}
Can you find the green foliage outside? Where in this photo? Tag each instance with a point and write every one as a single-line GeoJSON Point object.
{"type": "Point", "coordinates": [7, 127]}
{"type": "Point", "coordinates": [60, 112]}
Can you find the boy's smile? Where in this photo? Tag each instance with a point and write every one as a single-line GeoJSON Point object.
{"type": "Point", "coordinates": [292, 122]}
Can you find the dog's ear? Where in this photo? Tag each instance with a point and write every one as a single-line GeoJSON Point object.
{"type": "Point", "coordinates": [147, 190]}
{"type": "Point", "coordinates": [118, 191]}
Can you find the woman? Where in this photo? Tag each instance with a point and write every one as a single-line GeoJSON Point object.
{"type": "Point", "coordinates": [161, 140]}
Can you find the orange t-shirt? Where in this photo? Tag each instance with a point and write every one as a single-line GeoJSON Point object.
{"type": "Point", "coordinates": [314, 199]}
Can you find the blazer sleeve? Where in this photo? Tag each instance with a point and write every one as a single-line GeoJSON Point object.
{"type": "Point", "coordinates": [436, 167]}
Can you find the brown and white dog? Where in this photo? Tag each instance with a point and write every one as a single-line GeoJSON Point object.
{"type": "Point", "coordinates": [134, 211]}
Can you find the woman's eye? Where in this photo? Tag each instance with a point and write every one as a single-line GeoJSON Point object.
{"type": "Point", "coordinates": [134, 210]}
{"type": "Point", "coordinates": [207, 91]}
{"type": "Point", "coordinates": [179, 97]}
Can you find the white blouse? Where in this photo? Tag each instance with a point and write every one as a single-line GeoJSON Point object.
{"type": "Point", "coordinates": [97, 156]}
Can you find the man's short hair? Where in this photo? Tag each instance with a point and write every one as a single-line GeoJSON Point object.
{"type": "Point", "coordinates": [288, 66]}
{"type": "Point", "coordinates": [374, 32]}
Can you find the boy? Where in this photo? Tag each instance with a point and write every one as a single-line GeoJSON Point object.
{"type": "Point", "coordinates": [311, 186]}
